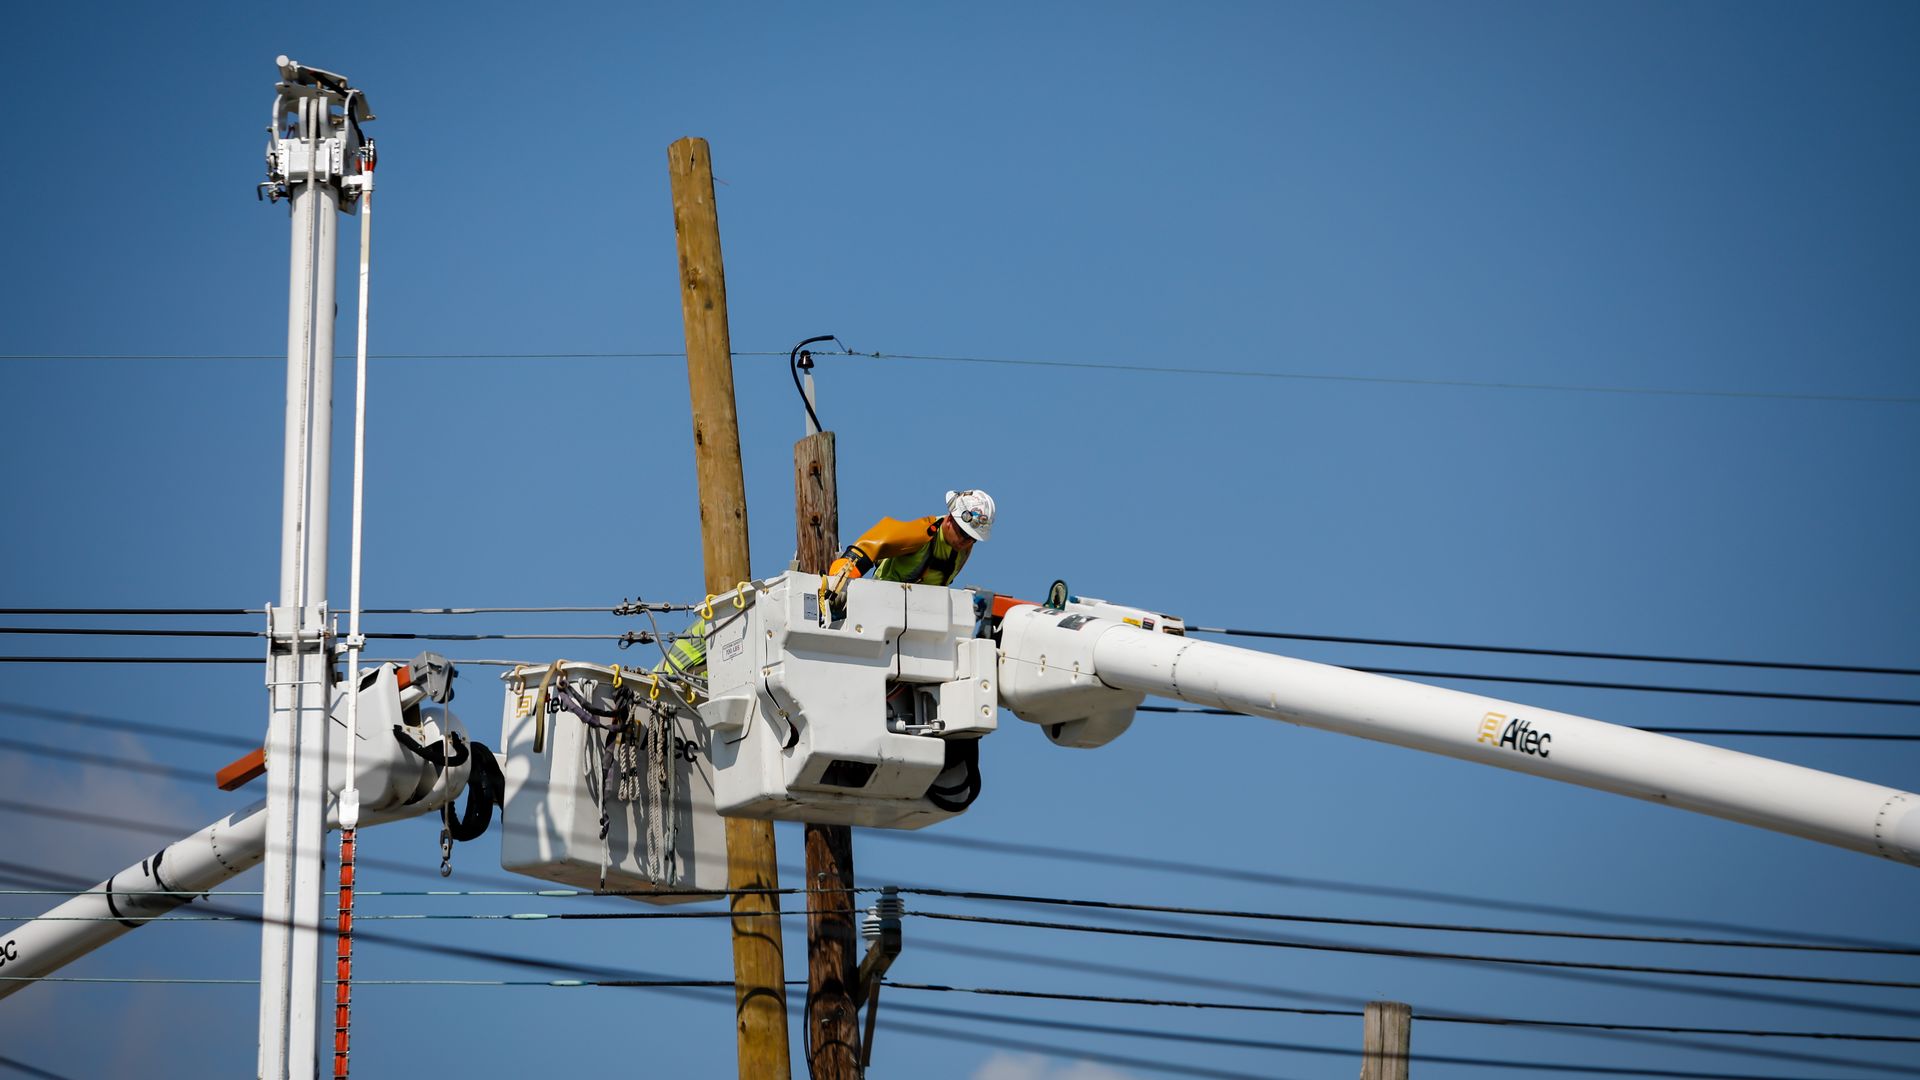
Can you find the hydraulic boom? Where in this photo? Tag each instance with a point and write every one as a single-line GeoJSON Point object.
{"type": "Point", "coordinates": [1079, 670]}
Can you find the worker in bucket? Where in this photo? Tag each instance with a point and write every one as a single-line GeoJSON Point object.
{"type": "Point", "coordinates": [924, 551]}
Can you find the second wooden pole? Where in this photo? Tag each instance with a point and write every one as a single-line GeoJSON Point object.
{"type": "Point", "coordinates": [833, 957]}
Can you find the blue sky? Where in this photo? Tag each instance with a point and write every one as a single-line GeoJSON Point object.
{"type": "Point", "coordinates": [1412, 200]}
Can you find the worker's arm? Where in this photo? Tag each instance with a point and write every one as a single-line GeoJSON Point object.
{"type": "Point", "coordinates": [885, 540]}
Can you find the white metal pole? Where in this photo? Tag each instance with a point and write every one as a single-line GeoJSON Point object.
{"type": "Point", "coordinates": [1754, 790]}
{"type": "Point", "coordinates": [297, 728]}
{"type": "Point", "coordinates": [146, 890]}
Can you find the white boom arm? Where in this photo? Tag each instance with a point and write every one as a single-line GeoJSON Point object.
{"type": "Point", "coordinates": [394, 782]}
{"type": "Point", "coordinates": [126, 901]}
{"type": "Point", "coordinates": [1080, 672]}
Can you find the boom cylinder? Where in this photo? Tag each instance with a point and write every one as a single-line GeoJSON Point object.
{"type": "Point", "coordinates": [1753, 790]}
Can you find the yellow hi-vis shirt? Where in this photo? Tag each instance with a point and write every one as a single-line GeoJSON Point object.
{"type": "Point", "coordinates": [911, 551]}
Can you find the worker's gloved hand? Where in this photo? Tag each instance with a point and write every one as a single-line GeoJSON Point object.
{"type": "Point", "coordinates": [833, 595]}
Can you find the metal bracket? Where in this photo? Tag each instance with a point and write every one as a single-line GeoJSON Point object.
{"type": "Point", "coordinates": [881, 930]}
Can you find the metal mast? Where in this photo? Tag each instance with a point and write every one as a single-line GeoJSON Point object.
{"type": "Point", "coordinates": [312, 156]}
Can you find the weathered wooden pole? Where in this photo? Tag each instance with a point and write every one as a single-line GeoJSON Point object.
{"type": "Point", "coordinates": [833, 959]}
{"type": "Point", "coordinates": [760, 993]}
{"type": "Point", "coordinates": [1386, 1040]}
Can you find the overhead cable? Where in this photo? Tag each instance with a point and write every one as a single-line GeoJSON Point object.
{"type": "Point", "coordinates": [1072, 365]}
{"type": "Point", "coordinates": [1054, 963]}
{"type": "Point", "coordinates": [1156, 864]}
{"type": "Point", "coordinates": [1756, 733]}
{"type": "Point", "coordinates": [1655, 688]}
{"type": "Point", "coordinates": [1331, 920]}
{"type": "Point", "coordinates": [1431, 1017]}
{"type": "Point", "coordinates": [1196, 1038]}
{"type": "Point", "coordinates": [1418, 954]}
{"type": "Point", "coordinates": [1581, 654]}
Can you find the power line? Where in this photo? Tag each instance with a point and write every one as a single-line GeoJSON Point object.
{"type": "Point", "coordinates": [1418, 954]}
{"type": "Point", "coordinates": [1194, 1038]}
{"type": "Point", "coordinates": [96, 631]}
{"type": "Point", "coordinates": [1519, 650]}
{"type": "Point", "coordinates": [130, 611]}
{"type": "Point", "coordinates": [602, 609]}
{"type": "Point", "coordinates": [1744, 733]}
{"type": "Point", "coordinates": [31, 1070]}
{"type": "Point", "coordinates": [130, 660]}
{"type": "Point", "coordinates": [1330, 920]}
{"type": "Point", "coordinates": [1772, 695]}
{"type": "Point", "coordinates": [136, 727]}
{"type": "Point", "coordinates": [1056, 853]}
{"type": "Point", "coordinates": [627, 979]}
{"type": "Point", "coordinates": [1071, 365]}
{"type": "Point", "coordinates": [1655, 688]}
{"type": "Point", "coordinates": [1441, 1018]}
{"type": "Point", "coordinates": [1160, 976]}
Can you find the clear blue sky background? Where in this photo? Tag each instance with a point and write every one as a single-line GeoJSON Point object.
{"type": "Point", "coordinates": [1711, 199]}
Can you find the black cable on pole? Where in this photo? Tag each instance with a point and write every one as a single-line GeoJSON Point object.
{"type": "Point", "coordinates": [1743, 732]}
{"type": "Point", "coordinates": [1581, 654]}
{"type": "Point", "coordinates": [797, 360]}
{"type": "Point", "coordinates": [1418, 954]}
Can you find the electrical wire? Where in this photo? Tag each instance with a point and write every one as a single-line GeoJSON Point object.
{"type": "Point", "coordinates": [135, 727]}
{"type": "Point", "coordinates": [1071, 365]}
{"type": "Point", "coordinates": [1158, 865]}
{"type": "Point", "coordinates": [109, 632]}
{"type": "Point", "coordinates": [1419, 1014]}
{"type": "Point", "coordinates": [1757, 733]}
{"type": "Point", "coordinates": [1805, 941]}
{"type": "Point", "coordinates": [1771, 695]}
{"type": "Point", "coordinates": [1194, 1038]}
{"type": "Point", "coordinates": [1518, 650]}
{"type": "Point", "coordinates": [627, 979]}
{"type": "Point", "coordinates": [31, 1070]}
{"type": "Point", "coordinates": [130, 660]}
{"type": "Point", "coordinates": [1418, 954]}
{"type": "Point", "coordinates": [1161, 976]}
{"type": "Point", "coordinates": [129, 611]}
{"type": "Point", "coordinates": [1331, 920]}
{"type": "Point", "coordinates": [1655, 688]}
{"type": "Point", "coordinates": [97, 631]}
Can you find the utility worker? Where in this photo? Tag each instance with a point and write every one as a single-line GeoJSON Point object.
{"type": "Point", "coordinates": [925, 551]}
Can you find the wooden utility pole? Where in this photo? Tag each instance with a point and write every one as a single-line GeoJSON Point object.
{"type": "Point", "coordinates": [759, 978]}
{"type": "Point", "coordinates": [833, 960]}
{"type": "Point", "coordinates": [1386, 1040]}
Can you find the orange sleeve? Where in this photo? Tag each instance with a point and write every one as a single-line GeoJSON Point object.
{"type": "Point", "coordinates": [887, 539]}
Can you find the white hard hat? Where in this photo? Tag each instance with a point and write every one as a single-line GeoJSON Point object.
{"type": "Point", "coordinates": [972, 511]}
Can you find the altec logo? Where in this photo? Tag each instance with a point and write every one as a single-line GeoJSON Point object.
{"type": "Point", "coordinates": [9, 951]}
{"type": "Point", "coordinates": [1498, 729]}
